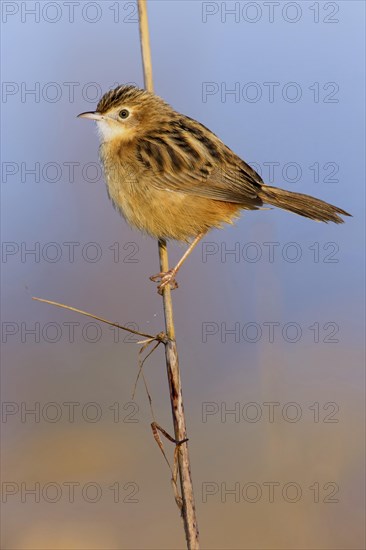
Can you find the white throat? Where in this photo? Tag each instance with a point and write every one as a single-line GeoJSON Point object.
{"type": "Point", "coordinates": [109, 131]}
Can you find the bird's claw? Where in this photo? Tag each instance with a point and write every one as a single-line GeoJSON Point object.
{"type": "Point", "coordinates": [165, 278]}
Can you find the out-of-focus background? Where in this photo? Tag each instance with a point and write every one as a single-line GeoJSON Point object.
{"type": "Point", "coordinates": [269, 313]}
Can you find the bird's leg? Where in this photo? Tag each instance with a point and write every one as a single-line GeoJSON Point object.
{"type": "Point", "coordinates": [168, 277]}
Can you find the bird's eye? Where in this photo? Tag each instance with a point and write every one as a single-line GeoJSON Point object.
{"type": "Point", "coordinates": [124, 113]}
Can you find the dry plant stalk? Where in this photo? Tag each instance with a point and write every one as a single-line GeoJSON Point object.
{"type": "Point", "coordinates": [181, 456]}
{"type": "Point", "coordinates": [171, 355]}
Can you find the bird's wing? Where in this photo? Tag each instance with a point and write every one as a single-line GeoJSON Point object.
{"type": "Point", "coordinates": [187, 157]}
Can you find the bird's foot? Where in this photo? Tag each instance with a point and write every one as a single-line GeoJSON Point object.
{"type": "Point", "coordinates": [165, 278]}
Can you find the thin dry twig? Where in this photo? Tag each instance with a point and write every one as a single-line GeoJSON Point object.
{"type": "Point", "coordinates": [171, 355]}
{"type": "Point", "coordinates": [174, 471]}
{"type": "Point", "coordinates": [159, 337]}
{"type": "Point", "coordinates": [142, 361]}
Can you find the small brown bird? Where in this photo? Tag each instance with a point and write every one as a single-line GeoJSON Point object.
{"type": "Point", "coordinates": [172, 178]}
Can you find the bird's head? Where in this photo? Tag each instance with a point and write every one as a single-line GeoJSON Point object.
{"type": "Point", "coordinates": [127, 112]}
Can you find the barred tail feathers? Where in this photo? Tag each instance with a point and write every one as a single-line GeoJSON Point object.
{"type": "Point", "coordinates": [301, 204]}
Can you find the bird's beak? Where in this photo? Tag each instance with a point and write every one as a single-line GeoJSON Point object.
{"type": "Point", "coordinates": [93, 115]}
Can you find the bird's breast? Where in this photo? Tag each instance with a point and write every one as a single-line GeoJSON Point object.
{"type": "Point", "coordinates": [161, 213]}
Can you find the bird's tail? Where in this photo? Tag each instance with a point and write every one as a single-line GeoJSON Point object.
{"type": "Point", "coordinates": [301, 204]}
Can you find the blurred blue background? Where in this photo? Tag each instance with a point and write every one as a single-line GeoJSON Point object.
{"type": "Point", "coordinates": [291, 291]}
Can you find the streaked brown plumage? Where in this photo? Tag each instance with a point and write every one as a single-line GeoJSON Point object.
{"type": "Point", "coordinates": [172, 178]}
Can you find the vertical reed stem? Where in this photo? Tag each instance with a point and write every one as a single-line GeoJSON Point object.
{"type": "Point", "coordinates": [171, 354]}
